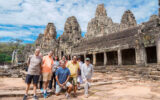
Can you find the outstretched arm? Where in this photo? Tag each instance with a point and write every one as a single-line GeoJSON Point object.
{"type": "Point", "coordinates": [28, 61]}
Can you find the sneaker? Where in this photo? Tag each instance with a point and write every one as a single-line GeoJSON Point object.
{"type": "Point", "coordinates": [25, 97]}
{"type": "Point", "coordinates": [50, 90]}
{"type": "Point", "coordinates": [48, 93]}
{"type": "Point", "coordinates": [41, 90]}
{"type": "Point", "coordinates": [86, 95]}
{"type": "Point", "coordinates": [79, 87]}
{"type": "Point", "coordinates": [67, 95]}
{"type": "Point", "coordinates": [45, 95]}
{"type": "Point", "coordinates": [35, 97]}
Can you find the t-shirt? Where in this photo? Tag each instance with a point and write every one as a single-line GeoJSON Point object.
{"type": "Point", "coordinates": [34, 67]}
{"type": "Point", "coordinates": [47, 64]}
{"type": "Point", "coordinates": [62, 74]}
{"type": "Point", "coordinates": [73, 68]}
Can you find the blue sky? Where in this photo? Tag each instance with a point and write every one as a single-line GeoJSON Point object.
{"type": "Point", "coordinates": [25, 19]}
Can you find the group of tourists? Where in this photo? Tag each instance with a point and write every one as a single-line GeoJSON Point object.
{"type": "Point", "coordinates": [66, 74]}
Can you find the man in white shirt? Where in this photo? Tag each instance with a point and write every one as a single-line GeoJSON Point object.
{"type": "Point", "coordinates": [87, 73]}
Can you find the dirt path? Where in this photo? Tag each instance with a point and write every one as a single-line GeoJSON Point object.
{"type": "Point", "coordinates": [126, 89]}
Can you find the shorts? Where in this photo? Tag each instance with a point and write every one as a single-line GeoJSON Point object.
{"type": "Point", "coordinates": [73, 80]}
{"type": "Point", "coordinates": [58, 88]}
{"type": "Point", "coordinates": [29, 79]}
{"type": "Point", "coordinates": [47, 76]}
{"type": "Point", "coordinates": [79, 79]}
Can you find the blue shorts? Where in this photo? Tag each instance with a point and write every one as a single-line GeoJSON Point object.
{"type": "Point", "coordinates": [58, 88]}
{"type": "Point", "coordinates": [29, 79]}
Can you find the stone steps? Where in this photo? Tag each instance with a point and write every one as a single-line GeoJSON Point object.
{"type": "Point", "coordinates": [155, 73]}
{"type": "Point", "coordinates": [154, 77]}
{"type": "Point", "coordinates": [150, 71]}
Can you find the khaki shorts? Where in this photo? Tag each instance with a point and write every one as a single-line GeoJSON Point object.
{"type": "Point", "coordinates": [47, 76]}
{"type": "Point", "coordinates": [58, 88]}
{"type": "Point", "coordinates": [73, 80]}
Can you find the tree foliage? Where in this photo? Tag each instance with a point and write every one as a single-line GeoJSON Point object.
{"type": "Point", "coordinates": [6, 50]}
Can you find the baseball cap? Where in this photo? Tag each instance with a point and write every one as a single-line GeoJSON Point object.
{"type": "Point", "coordinates": [87, 59]}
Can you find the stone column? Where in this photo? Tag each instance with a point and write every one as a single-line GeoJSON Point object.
{"type": "Point", "coordinates": [119, 57]}
{"type": "Point", "coordinates": [94, 58]}
{"type": "Point", "coordinates": [84, 57]}
{"type": "Point", "coordinates": [158, 51]}
{"type": "Point", "coordinates": [141, 56]}
{"type": "Point", "coordinates": [105, 58]}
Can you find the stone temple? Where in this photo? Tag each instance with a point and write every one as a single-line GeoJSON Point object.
{"type": "Point", "coordinates": [105, 42]}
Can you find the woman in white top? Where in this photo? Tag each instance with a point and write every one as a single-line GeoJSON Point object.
{"type": "Point", "coordinates": [55, 67]}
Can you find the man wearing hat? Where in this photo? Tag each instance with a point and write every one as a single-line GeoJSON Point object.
{"type": "Point", "coordinates": [87, 73]}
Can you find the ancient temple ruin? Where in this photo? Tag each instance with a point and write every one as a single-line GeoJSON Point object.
{"type": "Point", "coordinates": [106, 42]}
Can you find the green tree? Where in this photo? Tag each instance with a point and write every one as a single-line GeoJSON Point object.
{"type": "Point", "coordinates": [2, 57]}
{"type": "Point", "coordinates": [6, 49]}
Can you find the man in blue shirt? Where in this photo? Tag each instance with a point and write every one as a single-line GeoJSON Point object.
{"type": "Point", "coordinates": [62, 77]}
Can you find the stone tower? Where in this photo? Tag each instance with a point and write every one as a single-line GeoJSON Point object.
{"type": "Point", "coordinates": [50, 31]}
{"type": "Point", "coordinates": [70, 36]}
{"type": "Point", "coordinates": [128, 20]}
{"type": "Point", "coordinates": [101, 24]}
{"type": "Point", "coordinates": [47, 41]}
{"type": "Point", "coordinates": [72, 30]}
{"type": "Point", "coordinates": [100, 11]}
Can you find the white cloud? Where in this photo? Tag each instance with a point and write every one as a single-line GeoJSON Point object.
{"type": "Point", "coordinates": [144, 11]}
{"type": "Point", "coordinates": [15, 34]}
{"type": "Point", "coordinates": [40, 12]}
{"type": "Point", "coordinates": [29, 39]}
{"type": "Point", "coordinates": [9, 4]}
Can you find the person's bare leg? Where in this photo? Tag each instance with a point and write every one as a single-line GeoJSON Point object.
{"type": "Point", "coordinates": [69, 89]}
{"type": "Point", "coordinates": [45, 86]}
{"type": "Point", "coordinates": [27, 89]}
{"type": "Point", "coordinates": [75, 89]}
{"type": "Point", "coordinates": [34, 89]}
{"type": "Point", "coordinates": [78, 85]}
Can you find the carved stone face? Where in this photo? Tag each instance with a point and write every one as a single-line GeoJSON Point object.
{"type": "Point", "coordinates": [100, 11]}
